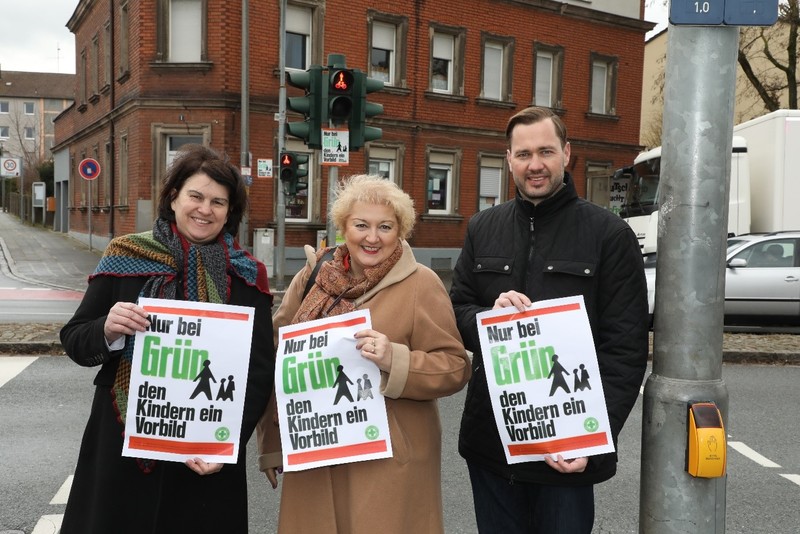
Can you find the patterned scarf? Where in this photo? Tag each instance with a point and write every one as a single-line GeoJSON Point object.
{"type": "Point", "coordinates": [167, 259]}
{"type": "Point", "coordinates": [335, 290]}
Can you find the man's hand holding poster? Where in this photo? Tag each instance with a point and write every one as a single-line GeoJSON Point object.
{"type": "Point", "coordinates": [330, 409]}
{"type": "Point", "coordinates": [544, 381]}
{"type": "Point", "coordinates": [188, 381]}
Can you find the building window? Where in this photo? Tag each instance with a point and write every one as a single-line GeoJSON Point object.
{"type": "Point", "coordinates": [598, 186]}
{"type": "Point", "coordinates": [382, 55]}
{"type": "Point", "coordinates": [603, 76]}
{"type": "Point", "coordinates": [300, 207]}
{"type": "Point", "coordinates": [299, 22]}
{"type": "Point", "coordinates": [447, 60]}
{"type": "Point", "coordinates": [182, 28]}
{"type": "Point", "coordinates": [124, 38]}
{"type": "Point", "coordinates": [95, 59]}
{"type": "Point", "coordinates": [107, 51]}
{"type": "Point", "coordinates": [28, 132]}
{"type": "Point", "coordinates": [4, 107]}
{"type": "Point", "coordinates": [82, 81]}
{"type": "Point", "coordinates": [496, 66]}
{"type": "Point", "coordinates": [442, 63]}
{"type": "Point", "coordinates": [490, 182]}
{"type": "Point", "coordinates": [123, 170]}
{"type": "Point", "coordinates": [28, 108]}
{"type": "Point", "coordinates": [3, 132]}
{"type": "Point", "coordinates": [441, 186]}
{"type": "Point", "coordinates": [382, 161]}
{"type": "Point", "coordinates": [547, 70]}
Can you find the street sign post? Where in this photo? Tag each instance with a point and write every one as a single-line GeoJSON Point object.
{"type": "Point", "coordinates": [89, 169]}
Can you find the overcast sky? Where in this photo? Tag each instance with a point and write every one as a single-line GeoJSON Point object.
{"type": "Point", "coordinates": [34, 35]}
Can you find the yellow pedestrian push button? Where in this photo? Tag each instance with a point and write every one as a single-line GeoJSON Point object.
{"type": "Point", "coordinates": [707, 445]}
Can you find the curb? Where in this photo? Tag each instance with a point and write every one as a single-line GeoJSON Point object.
{"type": "Point", "coordinates": [12, 348]}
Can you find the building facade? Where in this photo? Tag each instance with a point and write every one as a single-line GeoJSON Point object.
{"type": "Point", "coordinates": [29, 102]}
{"type": "Point", "coordinates": [153, 75]}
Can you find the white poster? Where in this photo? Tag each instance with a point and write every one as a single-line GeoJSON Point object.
{"type": "Point", "coordinates": [544, 381]}
{"type": "Point", "coordinates": [330, 408]}
{"type": "Point", "coordinates": [188, 381]}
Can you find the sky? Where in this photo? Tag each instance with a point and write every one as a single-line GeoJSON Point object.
{"type": "Point", "coordinates": [34, 36]}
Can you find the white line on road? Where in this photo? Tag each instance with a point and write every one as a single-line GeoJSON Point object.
{"type": "Point", "coordinates": [48, 524]}
{"type": "Point", "coordinates": [751, 454]}
{"type": "Point", "coordinates": [793, 478]}
{"type": "Point", "coordinates": [63, 493]}
{"type": "Point", "coordinates": [11, 366]}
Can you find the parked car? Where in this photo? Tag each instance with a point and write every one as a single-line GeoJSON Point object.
{"type": "Point", "coordinates": [762, 278]}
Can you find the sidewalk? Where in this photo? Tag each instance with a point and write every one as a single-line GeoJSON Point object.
{"type": "Point", "coordinates": [43, 257]}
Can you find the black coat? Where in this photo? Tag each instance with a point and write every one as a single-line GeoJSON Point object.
{"type": "Point", "coordinates": [564, 246]}
{"type": "Point", "coordinates": [110, 493]}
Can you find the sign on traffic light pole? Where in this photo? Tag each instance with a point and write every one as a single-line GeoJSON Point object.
{"type": "Point", "coordinates": [360, 133]}
{"type": "Point", "coordinates": [312, 105]}
{"type": "Point", "coordinates": [293, 172]}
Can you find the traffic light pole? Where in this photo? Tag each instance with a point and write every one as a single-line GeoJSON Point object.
{"type": "Point", "coordinates": [687, 355]}
{"type": "Point", "coordinates": [280, 216]}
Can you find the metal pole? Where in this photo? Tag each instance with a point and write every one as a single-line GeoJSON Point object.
{"type": "Point", "coordinates": [280, 215]}
{"type": "Point", "coordinates": [687, 355]}
{"type": "Point", "coordinates": [333, 181]}
{"type": "Point", "coordinates": [90, 214]}
{"type": "Point", "coordinates": [244, 159]}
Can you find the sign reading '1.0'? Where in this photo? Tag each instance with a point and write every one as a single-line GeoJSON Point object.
{"type": "Point", "coordinates": [727, 12]}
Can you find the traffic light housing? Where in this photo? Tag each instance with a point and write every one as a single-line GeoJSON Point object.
{"type": "Point", "coordinates": [340, 95]}
{"type": "Point", "coordinates": [293, 172]}
{"type": "Point", "coordinates": [311, 105]}
{"type": "Point", "coordinates": [360, 133]}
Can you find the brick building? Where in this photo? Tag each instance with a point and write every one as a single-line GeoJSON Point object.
{"type": "Point", "coordinates": [454, 72]}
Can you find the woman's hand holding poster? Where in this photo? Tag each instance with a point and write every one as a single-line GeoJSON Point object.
{"type": "Point", "coordinates": [188, 380]}
{"type": "Point", "coordinates": [330, 409]}
{"type": "Point", "coordinates": [544, 381]}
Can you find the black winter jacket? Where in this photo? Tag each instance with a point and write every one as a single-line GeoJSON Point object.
{"type": "Point", "coordinates": [564, 246]}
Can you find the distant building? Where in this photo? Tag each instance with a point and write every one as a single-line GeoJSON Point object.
{"type": "Point", "coordinates": [454, 72]}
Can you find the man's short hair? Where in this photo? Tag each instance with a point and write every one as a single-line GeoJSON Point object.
{"type": "Point", "coordinates": [533, 115]}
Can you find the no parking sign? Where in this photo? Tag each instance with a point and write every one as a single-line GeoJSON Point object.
{"type": "Point", "coordinates": [89, 168]}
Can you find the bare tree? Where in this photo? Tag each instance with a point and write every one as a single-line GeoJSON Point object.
{"type": "Point", "coordinates": [768, 59]}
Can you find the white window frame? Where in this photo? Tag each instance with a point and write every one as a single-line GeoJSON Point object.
{"type": "Point", "coordinates": [491, 182]}
{"type": "Point", "coordinates": [4, 107]}
{"type": "Point", "coordinates": [384, 37]}
{"type": "Point", "coordinates": [547, 79]}
{"type": "Point", "coordinates": [29, 133]}
{"type": "Point", "coordinates": [444, 49]}
{"type": "Point", "coordinates": [26, 106]}
{"type": "Point", "coordinates": [300, 21]}
{"type": "Point", "coordinates": [185, 33]}
{"type": "Point", "coordinates": [602, 85]}
{"type": "Point", "coordinates": [4, 132]}
{"type": "Point", "coordinates": [493, 70]}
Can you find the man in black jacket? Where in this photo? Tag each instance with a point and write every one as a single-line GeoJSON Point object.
{"type": "Point", "coordinates": [547, 243]}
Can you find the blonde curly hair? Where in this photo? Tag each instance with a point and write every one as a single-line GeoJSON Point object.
{"type": "Point", "coordinates": [373, 189]}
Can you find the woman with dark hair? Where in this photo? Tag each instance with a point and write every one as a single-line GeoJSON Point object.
{"type": "Point", "coordinates": [190, 254]}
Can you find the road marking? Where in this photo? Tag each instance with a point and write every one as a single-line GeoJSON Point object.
{"type": "Point", "coordinates": [793, 478]}
{"type": "Point", "coordinates": [11, 366]}
{"type": "Point", "coordinates": [63, 492]}
{"type": "Point", "coordinates": [48, 524]}
{"type": "Point", "coordinates": [746, 451]}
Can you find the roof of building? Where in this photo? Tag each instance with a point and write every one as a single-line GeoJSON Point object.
{"type": "Point", "coordinates": [37, 85]}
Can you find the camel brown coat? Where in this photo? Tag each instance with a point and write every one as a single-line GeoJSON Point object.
{"type": "Point", "coordinates": [401, 494]}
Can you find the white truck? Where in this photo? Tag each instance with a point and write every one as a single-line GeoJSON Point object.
{"type": "Point", "coordinates": [764, 181]}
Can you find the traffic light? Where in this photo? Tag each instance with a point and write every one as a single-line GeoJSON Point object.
{"type": "Point", "coordinates": [293, 172]}
{"type": "Point", "coordinates": [360, 133]}
{"type": "Point", "coordinates": [311, 105]}
{"type": "Point", "coordinates": [340, 95]}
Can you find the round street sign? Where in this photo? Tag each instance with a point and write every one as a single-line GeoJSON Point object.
{"type": "Point", "coordinates": [89, 169]}
{"type": "Point", "coordinates": [10, 165]}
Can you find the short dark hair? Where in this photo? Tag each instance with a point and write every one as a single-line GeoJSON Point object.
{"type": "Point", "coordinates": [533, 115]}
{"type": "Point", "coordinates": [193, 159]}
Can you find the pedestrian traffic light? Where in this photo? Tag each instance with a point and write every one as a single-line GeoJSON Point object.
{"type": "Point", "coordinates": [340, 95]}
{"type": "Point", "coordinates": [360, 133]}
{"type": "Point", "coordinates": [311, 105]}
{"type": "Point", "coordinates": [293, 172]}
